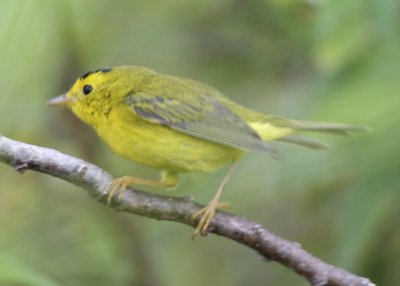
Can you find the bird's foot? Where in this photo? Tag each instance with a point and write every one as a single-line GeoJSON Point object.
{"type": "Point", "coordinates": [207, 213]}
{"type": "Point", "coordinates": [118, 186]}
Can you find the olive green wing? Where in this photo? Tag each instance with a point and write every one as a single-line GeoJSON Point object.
{"type": "Point", "coordinates": [204, 118]}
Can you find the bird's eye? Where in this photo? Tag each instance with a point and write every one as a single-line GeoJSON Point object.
{"type": "Point", "coordinates": [87, 88]}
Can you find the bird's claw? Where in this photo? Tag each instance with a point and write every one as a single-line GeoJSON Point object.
{"type": "Point", "coordinates": [206, 213]}
{"type": "Point", "coordinates": [118, 186]}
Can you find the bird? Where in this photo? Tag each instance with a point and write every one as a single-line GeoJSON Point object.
{"type": "Point", "coordinates": [179, 125]}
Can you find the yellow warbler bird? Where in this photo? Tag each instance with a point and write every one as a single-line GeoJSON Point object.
{"type": "Point", "coordinates": [177, 125]}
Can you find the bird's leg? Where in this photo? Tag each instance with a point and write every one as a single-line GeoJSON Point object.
{"type": "Point", "coordinates": [169, 179]}
{"type": "Point", "coordinates": [208, 211]}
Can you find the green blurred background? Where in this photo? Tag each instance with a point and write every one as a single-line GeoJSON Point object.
{"type": "Point", "coordinates": [316, 60]}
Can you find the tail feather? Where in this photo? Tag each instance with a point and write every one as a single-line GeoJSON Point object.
{"type": "Point", "coordinates": [336, 128]}
{"type": "Point", "coordinates": [286, 130]}
{"type": "Point", "coordinates": [306, 142]}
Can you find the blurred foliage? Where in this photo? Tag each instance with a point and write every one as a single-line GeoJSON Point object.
{"type": "Point", "coordinates": [316, 59]}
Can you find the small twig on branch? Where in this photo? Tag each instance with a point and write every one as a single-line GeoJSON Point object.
{"type": "Point", "coordinates": [96, 181]}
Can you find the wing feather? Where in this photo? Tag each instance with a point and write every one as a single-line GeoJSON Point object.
{"type": "Point", "coordinates": [206, 118]}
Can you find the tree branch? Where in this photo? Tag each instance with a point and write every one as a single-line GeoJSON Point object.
{"type": "Point", "coordinates": [96, 181]}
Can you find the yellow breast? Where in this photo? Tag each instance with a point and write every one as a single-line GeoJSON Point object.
{"type": "Point", "coordinates": [159, 146]}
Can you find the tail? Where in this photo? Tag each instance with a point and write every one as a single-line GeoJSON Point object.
{"type": "Point", "coordinates": [306, 142]}
{"type": "Point", "coordinates": [327, 127]}
{"type": "Point", "coordinates": [282, 129]}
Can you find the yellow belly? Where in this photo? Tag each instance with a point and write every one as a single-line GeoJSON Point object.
{"type": "Point", "coordinates": [161, 147]}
